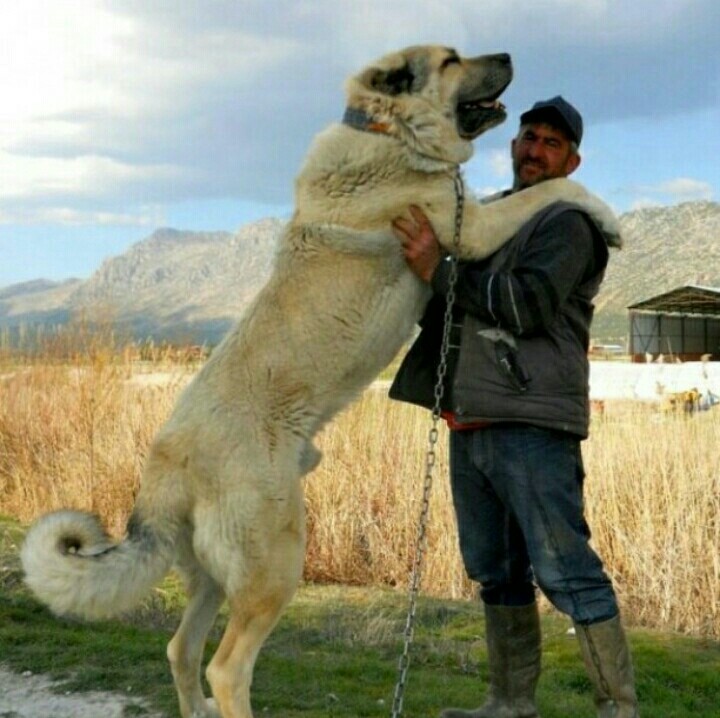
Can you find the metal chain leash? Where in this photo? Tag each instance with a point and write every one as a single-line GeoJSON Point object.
{"type": "Point", "coordinates": [430, 457]}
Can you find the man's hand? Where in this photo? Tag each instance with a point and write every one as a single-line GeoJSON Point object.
{"type": "Point", "coordinates": [420, 246]}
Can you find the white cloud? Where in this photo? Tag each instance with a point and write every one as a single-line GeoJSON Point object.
{"type": "Point", "coordinates": [88, 176]}
{"type": "Point", "coordinates": [67, 216]}
{"type": "Point", "coordinates": [680, 189]}
{"type": "Point", "coordinates": [500, 163]}
{"type": "Point", "coordinates": [54, 56]}
{"type": "Point", "coordinates": [129, 101]}
{"type": "Point", "coordinates": [686, 188]}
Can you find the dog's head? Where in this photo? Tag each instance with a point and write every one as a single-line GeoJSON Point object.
{"type": "Point", "coordinates": [433, 99]}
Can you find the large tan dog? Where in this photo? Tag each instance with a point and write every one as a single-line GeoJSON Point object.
{"type": "Point", "coordinates": [221, 496]}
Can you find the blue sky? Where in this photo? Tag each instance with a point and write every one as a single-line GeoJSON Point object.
{"type": "Point", "coordinates": [121, 116]}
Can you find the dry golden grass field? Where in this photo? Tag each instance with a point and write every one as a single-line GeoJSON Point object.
{"type": "Point", "coordinates": [75, 434]}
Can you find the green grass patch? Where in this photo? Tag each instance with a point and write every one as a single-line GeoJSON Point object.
{"type": "Point", "coordinates": [335, 654]}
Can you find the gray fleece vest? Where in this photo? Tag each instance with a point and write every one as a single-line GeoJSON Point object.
{"type": "Point", "coordinates": [540, 379]}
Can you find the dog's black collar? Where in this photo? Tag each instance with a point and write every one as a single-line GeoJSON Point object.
{"type": "Point", "coordinates": [360, 120]}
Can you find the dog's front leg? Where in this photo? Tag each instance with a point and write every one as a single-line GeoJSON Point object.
{"type": "Point", "coordinates": [486, 227]}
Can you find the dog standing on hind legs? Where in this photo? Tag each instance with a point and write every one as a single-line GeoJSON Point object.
{"type": "Point", "coordinates": [221, 497]}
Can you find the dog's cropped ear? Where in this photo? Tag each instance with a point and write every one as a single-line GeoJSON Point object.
{"type": "Point", "coordinates": [393, 82]}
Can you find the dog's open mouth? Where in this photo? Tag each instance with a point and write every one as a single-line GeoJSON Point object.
{"type": "Point", "coordinates": [476, 116]}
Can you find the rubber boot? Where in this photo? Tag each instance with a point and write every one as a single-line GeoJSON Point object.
{"type": "Point", "coordinates": [607, 660]}
{"type": "Point", "coordinates": [512, 634]}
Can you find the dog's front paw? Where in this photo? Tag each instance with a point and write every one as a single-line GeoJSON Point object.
{"type": "Point", "coordinates": [605, 218]}
{"type": "Point", "coordinates": [613, 234]}
{"type": "Point", "coordinates": [571, 191]}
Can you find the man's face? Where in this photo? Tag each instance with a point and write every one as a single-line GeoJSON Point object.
{"type": "Point", "coordinates": [541, 152]}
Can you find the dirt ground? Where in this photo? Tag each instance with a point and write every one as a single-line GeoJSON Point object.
{"type": "Point", "coordinates": [31, 696]}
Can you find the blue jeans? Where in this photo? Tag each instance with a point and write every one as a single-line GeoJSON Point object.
{"type": "Point", "coordinates": [518, 496]}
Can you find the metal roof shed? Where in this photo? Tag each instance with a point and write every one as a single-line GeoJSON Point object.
{"type": "Point", "coordinates": [683, 323]}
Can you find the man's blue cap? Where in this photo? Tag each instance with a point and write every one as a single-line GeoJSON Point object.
{"type": "Point", "coordinates": [557, 112]}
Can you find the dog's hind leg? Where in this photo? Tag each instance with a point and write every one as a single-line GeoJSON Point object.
{"type": "Point", "coordinates": [185, 650]}
{"type": "Point", "coordinates": [254, 610]}
{"type": "Point", "coordinates": [231, 669]}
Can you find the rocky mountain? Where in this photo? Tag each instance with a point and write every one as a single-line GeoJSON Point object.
{"type": "Point", "coordinates": [665, 248]}
{"type": "Point", "coordinates": [191, 286]}
{"type": "Point", "coordinates": [36, 302]}
{"type": "Point", "coordinates": [181, 286]}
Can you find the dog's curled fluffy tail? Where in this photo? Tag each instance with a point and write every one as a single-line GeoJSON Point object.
{"type": "Point", "coordinates": [74, 567]}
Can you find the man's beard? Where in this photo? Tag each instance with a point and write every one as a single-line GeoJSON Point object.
{"type": "Point", "coordinates": [521, 183]}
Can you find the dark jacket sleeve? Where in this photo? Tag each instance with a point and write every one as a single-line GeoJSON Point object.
{"type": "Point", "coordinates": [524, 300]}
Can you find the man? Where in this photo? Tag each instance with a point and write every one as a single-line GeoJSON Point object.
{"type": "Point", "coordinates": [516, 401]}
